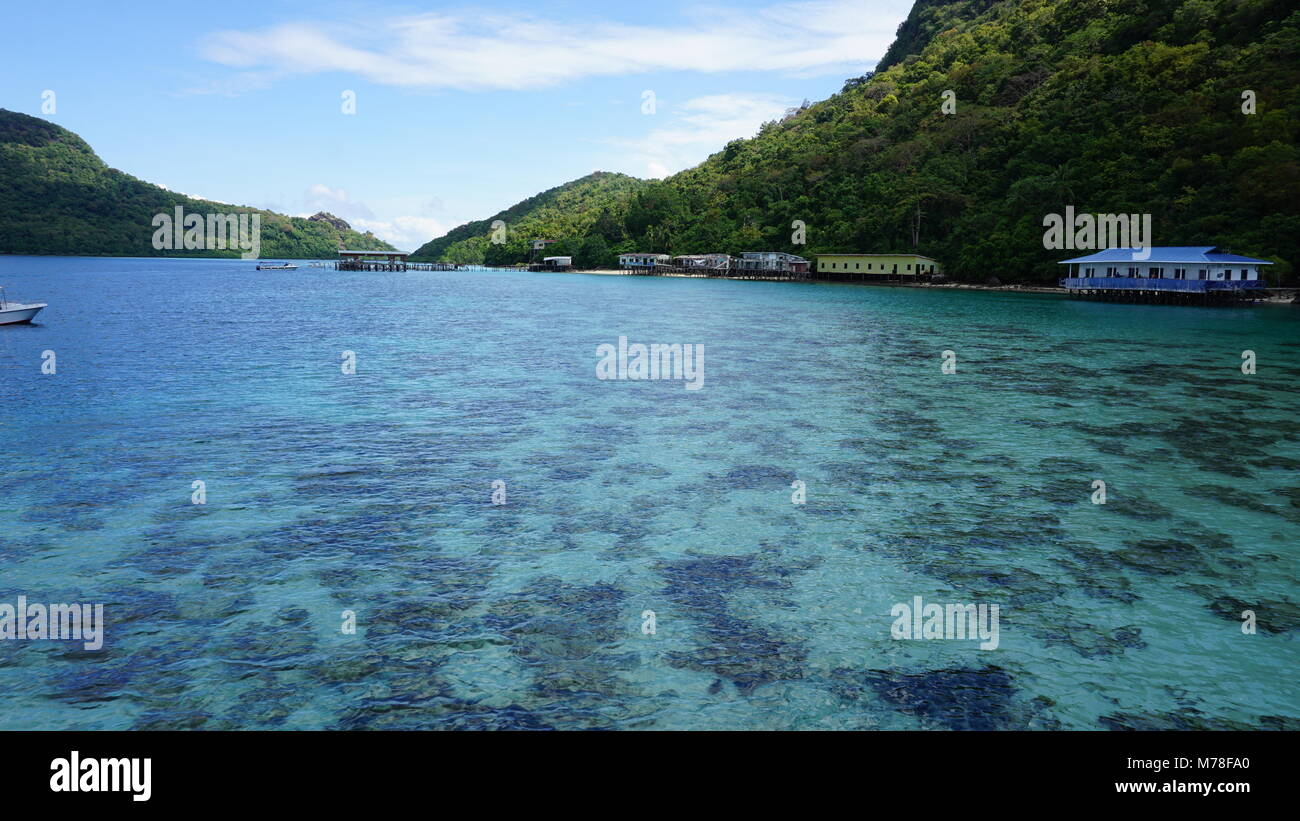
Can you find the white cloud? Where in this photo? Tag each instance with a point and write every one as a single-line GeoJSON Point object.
{"type": "Point", "coordinates": [472, 50]}
{"type": "Point", "coordinates": [404, 233]}
{"type": "Point", "coordinates": [336, 201]}
{"type": "Point", "coordinates": [698, 128]}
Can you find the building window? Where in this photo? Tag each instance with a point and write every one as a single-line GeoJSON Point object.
{"type": "Point", "coordinates": [1155, 273]}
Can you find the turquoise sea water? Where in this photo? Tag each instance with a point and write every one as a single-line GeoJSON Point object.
{"type": "Point", "coordinates": [372, 492]}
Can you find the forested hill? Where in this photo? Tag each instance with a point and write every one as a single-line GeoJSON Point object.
{"type": "Point", "coordinates": [58, 197]}
{"type": "Point", "coordinates": [926, 19]}
{"type": "Point", "coordinates": [1112, 106]}
{"type": "Point", "coordinates": [585, 216]}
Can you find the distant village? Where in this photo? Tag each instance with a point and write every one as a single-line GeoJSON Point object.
{"type": "Point", "coordinates": [1180, 275]}
{"type": "Point", "coordinates": [761, 265]}
{"type": "Point", "coordinates": [1172, 275]}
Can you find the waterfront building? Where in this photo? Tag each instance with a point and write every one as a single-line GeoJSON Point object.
{"type": "Point", "coordinates": [643, 263]}
{"type": "Point", "coordinates": [771, 265]}
{"type": "Point", "coordinates": [552, 264]}
{"type": "Point", "coordinates": [371, 260]}
{"type": "Point", "coordinates": [882, 267]}
{"type": "Point", "coordinates": [537, 248]}
{"type": "Point", "coordinates": [1165, 274]}
{"type": "Point", "coordinates": [710, 264]}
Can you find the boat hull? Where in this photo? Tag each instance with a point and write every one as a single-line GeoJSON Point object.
{"type": "Point", "coordinates": [17, 316]}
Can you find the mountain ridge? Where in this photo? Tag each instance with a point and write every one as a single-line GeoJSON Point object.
{"type": "Point", "coordinates": [569, 209]}
{"type": "Point", "coordinates": [1111, 106]}
{"type": "Point", "coordinates": [58, 197]}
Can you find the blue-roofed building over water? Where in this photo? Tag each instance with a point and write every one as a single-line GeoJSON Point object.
{"type": "Point", "coordinates": [1194, 274]}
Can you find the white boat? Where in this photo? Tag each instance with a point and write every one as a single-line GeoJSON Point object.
{"type": "Point", "coordinates": [13, 313]}
{"type": "Point", "coordinates": [287, 266]}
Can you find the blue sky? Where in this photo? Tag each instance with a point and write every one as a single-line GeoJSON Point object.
{"type": "Point", "coordinates": [461, 109]}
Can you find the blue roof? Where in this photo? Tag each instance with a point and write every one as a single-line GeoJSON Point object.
{"type": "Point", "coordinates": [1191, 254]}
{"type": "Point", "coordinates": [1218, 257]}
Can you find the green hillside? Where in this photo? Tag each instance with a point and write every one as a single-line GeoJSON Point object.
{"type": "Point", "coordinates": [58, 197]}
{"type": "Point", "coordinates": [585, 216]}
{"type": "Point", "coordinates": [1112, 106]}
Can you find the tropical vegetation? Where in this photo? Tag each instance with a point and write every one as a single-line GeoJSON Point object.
{"type": "Point", "coordinates": [58, 197]}
{"type": "Point", "coordinates": [1188, 110]}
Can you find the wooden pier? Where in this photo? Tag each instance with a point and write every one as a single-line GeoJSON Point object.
{"type": "Point", "coordinates": [1209, 297]}
{"type": "Point", "coordinates": [1160, 291]}
{"type": "Point", "coordinates": [373, 265]}
{"type": "Point", "coordinates": [768, 276]}
{"type": "Point", "coordinates": [371, 260]}
{"type": "Point", "coordinates": [402, 265]}
{"type": "Point", "coordinates": [733, 273]}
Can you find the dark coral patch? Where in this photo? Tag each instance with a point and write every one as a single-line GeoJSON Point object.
{"type": "Point", "coordinates": [1135, 506]}
{"type": "Point", "coordinates": [1271, 617]}
{"type": "Point", "coordinates": [1159, 557]}
{"type": "Point", "coordinates": [955, 699]}
{"type": "Point", "coordinates": [742, 651]}
{"type": "Point", "coordinates": [1192, 719]}
{"type": "Point", "coordinates": [757, 477]}
{"type": "Point", "coordinates": [1092, 643]}
{"type": "Point", "coordinates": [567, 635]}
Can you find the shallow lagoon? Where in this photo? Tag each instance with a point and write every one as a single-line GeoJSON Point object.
{"type": "Point", "coordinates": [372, 492]}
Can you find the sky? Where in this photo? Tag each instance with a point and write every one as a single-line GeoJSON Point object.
{"type": "Point", "coordinates": [458, 109]}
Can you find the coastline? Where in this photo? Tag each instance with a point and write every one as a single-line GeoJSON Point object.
{"type": "Point", "coordinates": [1277, 296]}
